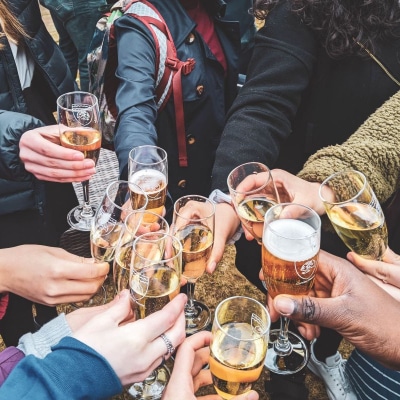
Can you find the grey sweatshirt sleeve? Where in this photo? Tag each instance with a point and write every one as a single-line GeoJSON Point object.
{"type": "Point", "coordinates": [40, 343]}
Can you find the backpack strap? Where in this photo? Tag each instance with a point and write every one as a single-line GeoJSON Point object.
{"type": "Point", "coordinates": [170, 81]}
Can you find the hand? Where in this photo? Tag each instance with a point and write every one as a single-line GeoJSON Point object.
{"type": "Point", "coordinates": [134, 348]}
{"type": "Point", "coordinates": [385, 273]}
{"type": "Point", "coordinates": [47, 160]}
{"type": "Point", "coordinates": [296, 190]}
{"type": "Point", "coordinates": [350, 303]}
{"type": "Point", "coordinates": [226, 224]}
{"type": "Point", "coordinates": [49, 275]}
{"type": "Point", "coordinates": [188, 374]}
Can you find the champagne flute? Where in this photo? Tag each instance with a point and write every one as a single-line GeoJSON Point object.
{"type": "Point", "coordinates": [148, 168]}
{"type": "Point", "coordinates": [239, 345]}
{"type": "Point", "coordinates": [79, 124]}
{"type": "Point", "coordinates": [253, 192]}
{"type": "Point", "coordinates": [107, 228]}
{"type": "Point", "coordinates": [136, 223]}
{"type": "Point", "coordinates": [154, 281]}
{"type": "Point", "coordinates": [291, 242]}
{"type": "Point", "coordinates": [194, 224]}
{"type": "Point", "coordinates": [355, 213]}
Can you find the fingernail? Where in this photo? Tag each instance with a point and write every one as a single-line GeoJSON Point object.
{"type": "Point", "coordinates": [87, 163]}
{"type": "Point", "coordinates": [350, 257]}
{"type": "Point", "coordinates": [212, 266]}
{"type": "Point", "coordinates": [284, 305]}
{"type": "Point", "coordinates": [252, 395]}
{"type": "Point", "coordinates": [78, 156]}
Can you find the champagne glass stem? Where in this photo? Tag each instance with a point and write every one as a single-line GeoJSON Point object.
{"type": "Point", "coordinates": [282, 345]}
{"type": "Point", "coordinates": [190, 309]}
{"type": "Point", "coordinates": [87, 210]}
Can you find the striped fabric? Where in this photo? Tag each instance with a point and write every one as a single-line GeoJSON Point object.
{"type": "Point", "coordinates": [370, 380]}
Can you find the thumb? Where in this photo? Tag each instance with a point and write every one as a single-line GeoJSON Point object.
{"type": "Point", "coordinates": [216, 254]}
{"type": "Point", "coordinates": [308, 309]}
{"type": "Point", "coordinates": [120, 309]}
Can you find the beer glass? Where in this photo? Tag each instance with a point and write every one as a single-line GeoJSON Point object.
{"type": "Point", "coordinates": [148, 168]}
{"type": "Point", "coordinates": [355, 213]}
{"type": "Point", "coordinates": [79, 125]}
{"type": "Point", "coordinates": [239, 344]}
{"type": "Point", "coordinates": [194, 224]}
{"type": "Point", "coordinates": [253, 192]}
{"type": "Point", "coordinates": [136, 223]}
{"type": "Point", "coordinates": [155, 275]}
{"type": "Point", "coordinates": [291, 242]}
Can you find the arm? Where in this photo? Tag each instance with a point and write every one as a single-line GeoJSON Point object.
{"type": "Point", "coordinates": [262, 114]}
{"type": "Point", "coordinates": [135, 98]}
{"type": "Point", "coordinates": [350, 303]}
{"type": "Point", "coordinates": [110, 349]}
{"type": "Point", "coordinates": [58, 276]}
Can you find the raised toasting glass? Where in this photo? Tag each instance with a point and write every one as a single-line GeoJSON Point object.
{"type": "Point", "coordinates": [79, 124]}
{"type": "Point", "coordinates": [291, 242]}
{"type": "Point", "coordinates": [154, 281]}
{"type": "Point", "coordinates": [355, 213]}
{"type": "Point", "coordinates": [136, 223]}
{"type": "Point", "coordinates": [253, 193]}
{"type": "Point", "coordinates": [193, 224]}
{"type": "Point", "coordinates": [148, 168]}
{"type": "Point", "coordinates": [239, 344]}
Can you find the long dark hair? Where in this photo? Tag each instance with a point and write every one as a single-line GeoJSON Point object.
{"type": "Point", "coordinates": [340, 24]}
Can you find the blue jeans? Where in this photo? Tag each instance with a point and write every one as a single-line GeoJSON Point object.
{"type": "Point", "coordinates": [75, 22]}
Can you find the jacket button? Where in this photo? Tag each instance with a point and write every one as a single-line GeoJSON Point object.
{"type": "Point", "coordinates": [190, 38]}
{"type": "Point", "coordinates": [190, 139]}
{"type": "Point", "coordinates": [182, 184]}
{"type": "Point", "coordinates": [200, 90]}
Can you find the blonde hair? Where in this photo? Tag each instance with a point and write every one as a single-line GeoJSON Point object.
{"type": "Point", "coordinates": [10, 25]}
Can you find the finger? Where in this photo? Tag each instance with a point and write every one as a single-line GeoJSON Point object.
{"type": "Point", "coordinates": [202, 378]}
{"type": "Point", "coordinates": [391, 257]}
{"type": "Point", "coordinates": [216, 254]}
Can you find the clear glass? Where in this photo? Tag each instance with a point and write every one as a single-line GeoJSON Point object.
{"type": "Point", "coordinates": [355, 213]}
{"type": "Point", "coordinates": [136, 223]}
{"type": "Point", "coordinates": [291, 243]}
{"type": "Point", "coordinates": [154, 281]}
{"type": "Point", "coordinates": [148, 168]}
{"type": "Point", "coordinates": [79, 125]}
{"type": "Point", "coordinates": [253, 193]}
{"type": "Point", "coordinates": [194, 225]}
{"type": "Point", "coordinates": [239, 345]}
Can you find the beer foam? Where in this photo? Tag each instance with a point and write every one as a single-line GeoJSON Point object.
{"type": "Point", "coordinates": [291, 240]}
{"type": "Point", "coordinates": [149, 180]}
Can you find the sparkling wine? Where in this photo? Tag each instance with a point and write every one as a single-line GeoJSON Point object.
{"type": "Point", "coordinates": [251, 212]}
{"type": "Point", "coordinates": [235, 366]}
{"type": "Point", "coordinates": [197, 241]}
{"type": "Point", "coordinates": [121, 269]}
{"type": "Point", "coordinates": [153, 287]}
{"type": "Point", "coordinates": [88, 141]}
{"type": "Point", "coordinates": [361, 227]}
{"type": "Point", "coordinates": [289, 266]}
{"type": "Point", "coordinates": [154, 183]}
{"type": "Point", "coordinates": [104, 240]}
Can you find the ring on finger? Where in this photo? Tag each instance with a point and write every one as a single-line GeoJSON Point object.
{"type": "Point", "coordinates": [168, 343]}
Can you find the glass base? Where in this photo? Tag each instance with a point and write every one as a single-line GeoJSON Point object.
{"type": "Point", "coordinates": [152, 388]}
{"type": "Point", "coordinates": [199, 319]}
{"type": "Point", "coordinates": [98, 299]}
{"type": "Point", "coordinates": [286, 364]}
{"type": "Point", "coordinates": [78, 220]}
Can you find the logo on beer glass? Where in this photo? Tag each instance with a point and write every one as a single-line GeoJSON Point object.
{"type": "Point", "coordinates": [257, 324]}
{"type": "Point", "coordinates": [139, 286]}
{"type": "Point", "coordinates": [306, 271]}
{"type": "Point", "coordinates": [82, 114]}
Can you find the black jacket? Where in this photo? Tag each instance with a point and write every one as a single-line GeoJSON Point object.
{"type": "Point", "coordinates": [19, 190]}
{"type": "Point", "coordinates": [207, 94]}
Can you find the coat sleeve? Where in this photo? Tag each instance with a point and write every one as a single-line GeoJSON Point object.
{"type": "Point", "coordinates": [12, 126]}
{"type": "Point", "coordinates": [9, 358]}
{"type": "Point", "coordinates": [71, 371]}
{"type": "Point", "coordinates": [135, 98]}
{"type": "Point", "coordinates": [261, 117]}
{"type": "Point", "coordinates": [373, 149]}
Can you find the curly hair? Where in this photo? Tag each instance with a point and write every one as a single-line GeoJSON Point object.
{"type": "Point", "coordinates": [342, 24]}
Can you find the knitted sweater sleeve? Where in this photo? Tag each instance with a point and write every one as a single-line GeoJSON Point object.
{"type": "Point", "coordinates": [373, 149]}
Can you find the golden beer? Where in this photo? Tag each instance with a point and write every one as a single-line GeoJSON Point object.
{"type": "Point", "coordinates": [154, 183]}
{"type": "Point", "coordinates": [289, 265]}
{"type": "Point", "coordinates": [361, 227]}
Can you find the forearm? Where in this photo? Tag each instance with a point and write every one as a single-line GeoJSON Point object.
{"type": "Point", "coordinates": [373, 149]}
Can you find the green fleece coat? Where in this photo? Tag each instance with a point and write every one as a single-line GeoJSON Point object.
{"type": "Point", "coordinates": [373, 149]}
